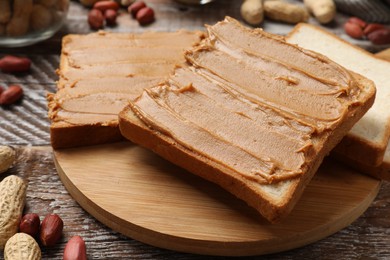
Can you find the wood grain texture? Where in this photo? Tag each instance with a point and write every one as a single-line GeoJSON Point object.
{"type": "Point", "coordinates": [137, 193]}
{"type": "Point", "coordinates": [366, 238]}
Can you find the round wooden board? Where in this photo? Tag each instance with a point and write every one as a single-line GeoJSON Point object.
{"type": "Point", "coordinates": [144, 197]}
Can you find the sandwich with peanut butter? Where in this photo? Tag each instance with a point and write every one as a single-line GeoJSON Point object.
{"type": "Point", "coordinates": [251, 113]}
{"type": "Point", "coordinates": [100, 72]}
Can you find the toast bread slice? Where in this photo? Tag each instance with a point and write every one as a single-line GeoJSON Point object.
{"type": "Point", "coordinates": [216, 118]}
{"type": "Point", "coordinates": [99, 72]}
{"type": "Point", "coordinates": [365, 145]}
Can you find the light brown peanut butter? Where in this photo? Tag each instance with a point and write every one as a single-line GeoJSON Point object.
{"type": "Point", "coordinates": [251, 102]}
{"type": "Point", "coordinates": [100, 72]}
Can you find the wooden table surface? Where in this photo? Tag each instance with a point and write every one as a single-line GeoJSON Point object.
{"type": "Point", "coordinates": [25, 126]}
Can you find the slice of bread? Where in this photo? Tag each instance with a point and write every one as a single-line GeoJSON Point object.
{"type": "Point", "coordinates": [364, 146]}
{"type": "Point", "coordinates": [250, 113]}
{"type": "Point", "coordinates": [100, 72]}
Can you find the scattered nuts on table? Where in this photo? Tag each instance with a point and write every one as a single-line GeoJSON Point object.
{"type": "Point", "coordinates": [145, 16]}
{"type": "Point", "coordinates": [380, 36]}
{"type": "Point", "coordinates": [110, 17]}
{"type": "Point", "coordinates": [96, 19]}
{"type": "Point", "coordinates": [353, 30]}
{"type": "Point", "coordinates": [21, 17]}
{"type": "Point", "coordinates": [106, 5]}
{"type": "Point", "coordinates": [30, 224]}
{"type": "Point", "coordinates": [22, 246]}
{"type": "Point", "coordinates": [7, 158]}
{"type": "Point", "coordinates": [374, 32]}
{"type": "Point", "coordinates": [12, 201]}
{"type": "Point", "coordinates": [51, 230]}
{"type": "Point", "coordinates": [285, 12]}
{"type": "Point", "coordinates": [11, 95]}
{"type": "Point", "coordinates": [252, 11]}
{"type": "Point", "coordinates": [14, 64]}
{"type": "Point", "coordinates": [135, 7]}
{"type": "Point", "coordinates": [369, 28]}
{"type": "Point", "coordinates": [75, 249]}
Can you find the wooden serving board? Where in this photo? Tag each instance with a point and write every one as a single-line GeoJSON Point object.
{"type": "Point", "coordinates": [144, 197]}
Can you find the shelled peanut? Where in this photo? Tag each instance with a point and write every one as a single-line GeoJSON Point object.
{"type": "Point", "coordinates": [51, 230]}
{"type": "Point", "coordinates": [20, 17]}
{"type": "Point", "coordinates": [105, 13]}
{"type": "Point", "coordinates": [374, 32]}
{"type": "Point", "coordinates": [12, 201]}
{"type": "Point", "coordinates": [75, 249]}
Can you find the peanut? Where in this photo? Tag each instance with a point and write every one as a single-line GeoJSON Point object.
{"type": "Point", "coordinates": [106, 5]}
{"type": "Point", "coordinates": [135, 7]}
{"type": "Point", "coordinates": [285, 12]}
{"type": "Point", "coordinates": [145, 16]}
{"type": "Point", "coordinates": [12, 200]}
{"type": "Point", "coordinates": [30, 224]}
{"type": "Point", "coordinates": [372, 27]}
{"type": "Point", "coordinates": [7, 157]}
{"type": "Point", "coordinates": [19, 22]}
{"type": "Point", "coordinates": [75, 249]}
{"type": "Point", "coordinates": [252, 11]}
{"type": "Point", "coordinates": [12, 64]}
{"type": "Point", "coordinates": [51, 229]}
{"type": "Point", "coordinates": [95, 19]}
{"type": "Point", "coordinates": [110, 16]}
{"type": "Point", "coordinates": [22, 246]}
{"type": "Point", "coordinates": [323, 10]}
{"type": "Point", "coordinates": [353, 30]}
{"type": "Point", "coordinates": [381, 36]}
{"type": "Point", "coordinates": [41, 17]}
{"type": "Point", "coordinates": [127, 2]}
{"type": "Point", "coordinates": [5, 13]}
{"type": "Point", "coordinates": [11, 95]}
{"type": "Point", "coordinates": [357, 21]}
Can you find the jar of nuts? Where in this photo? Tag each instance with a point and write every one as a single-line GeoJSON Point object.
{"type": "Point", "coordinates": [24, 22]}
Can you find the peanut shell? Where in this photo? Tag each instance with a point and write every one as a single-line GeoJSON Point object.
{"type": "Point", "coordinates": [12, 201]}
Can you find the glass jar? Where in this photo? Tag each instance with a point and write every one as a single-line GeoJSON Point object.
{"type": "Point", "coordinates": [25, 22]}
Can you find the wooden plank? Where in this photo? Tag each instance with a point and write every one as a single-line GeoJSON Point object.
{"type": "Point", "coordinates": [145, 197]}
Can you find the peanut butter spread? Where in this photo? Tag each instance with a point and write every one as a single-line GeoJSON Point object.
{"type": "Point", "coordinates": [100, 72]}
{"type": "Point", "coordinates": [251, 102]}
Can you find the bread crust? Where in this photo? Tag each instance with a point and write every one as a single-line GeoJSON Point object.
{"type": "Point", "coordinates": [361, 153]}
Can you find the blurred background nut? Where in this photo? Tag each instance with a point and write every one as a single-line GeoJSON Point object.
{"type": "Point", "coordinates": [7, 158]}
{"type": "Point", "coordinates": [24, 22]}
{"type": "Point", "coordinates": [19, 23]}
{"type": "Point", "coordinates": [11, 95]}
{"type": "Point", "coordinates": [30, 224]}
{"type": "Point", "coordinates": [5, 13]}
{"type": "Point", "coordinates": [145, 16]}
{"type": "Point", "coordinates": [41, 17]}
{"type": "Point", "coordinates": [285, 12]}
